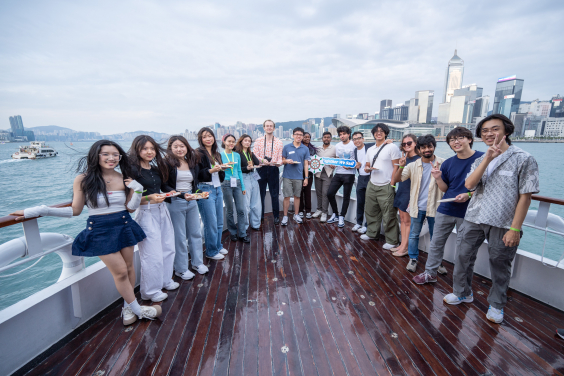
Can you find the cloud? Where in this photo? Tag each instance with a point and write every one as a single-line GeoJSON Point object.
{"type": "Point", "coordinates": [170, 66]}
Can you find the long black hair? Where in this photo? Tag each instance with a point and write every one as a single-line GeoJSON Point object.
{"type": "Point", "coordinates": [191, 157]}
{"type": "Point", "coordinates": [215, 156]}
{"type": "Point", "coordinates": [93, 183]}
{"type": "Point", "coordinates": [135, 159]}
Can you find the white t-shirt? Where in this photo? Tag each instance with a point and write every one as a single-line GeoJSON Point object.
{"type": "Point", "coordinates": [384, 163]}
{"type": "Point", "coordinates": [184, 181]}
{"type": "Point", "coordinates": [492, 165]}
{"type": "Point", "coordinates": [360, 154]}
{"type": "Point", "coordinates": [345, 152]}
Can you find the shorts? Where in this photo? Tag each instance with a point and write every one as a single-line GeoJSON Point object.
{"type": "Point", "coordinates": [292, 187]}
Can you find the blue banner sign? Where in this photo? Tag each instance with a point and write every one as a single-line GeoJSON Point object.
{"type": "Point", "coordinates": [339, 162]}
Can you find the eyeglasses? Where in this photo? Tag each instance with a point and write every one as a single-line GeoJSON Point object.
{"type": "Point", "coordinates": [357, 138]}
{"type": "Point", "coordinates": [408, 143]}
{"type": "Point", "coordinates": [454, 139]}
{"type": "Point", "coordinates": [485, 131]}
{"type": "Point", "coordinates": [108, 156]}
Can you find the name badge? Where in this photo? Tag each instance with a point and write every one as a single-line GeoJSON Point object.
{"type": "Point", "coordinates": [292, 152]}
{"type": "Point", "coordinates": [506, 173]}
{"type": "Point", "coordinates": [233, 182]}
{"type": "Point", "coordinates": [256, 175]}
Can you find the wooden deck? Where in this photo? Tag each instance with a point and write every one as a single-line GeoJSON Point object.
{"type": "Point", "coordinates": [313, 299]}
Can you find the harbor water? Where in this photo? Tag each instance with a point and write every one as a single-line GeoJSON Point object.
{"type": "Point", "coordinates": [26, 183]}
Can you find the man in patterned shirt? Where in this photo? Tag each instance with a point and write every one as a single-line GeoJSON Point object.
{"type": "Point", "coordinates": [268, 150]}
{"type": "Point", "coordinates": [503, 180]}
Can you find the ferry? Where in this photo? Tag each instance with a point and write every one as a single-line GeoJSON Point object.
{"type": "Point", "coordinates": [303, 299]}
{"type": "Point", "coordinates": [35, 150]}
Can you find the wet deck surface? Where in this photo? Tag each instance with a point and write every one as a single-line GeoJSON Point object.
{"type": "Point", "coordinates": [338, 305]}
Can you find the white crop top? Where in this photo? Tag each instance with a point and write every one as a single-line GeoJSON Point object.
{"type": "Point", "coordinates": [184, 181]}
{"type": "Point", "coordinates": [117, 203]}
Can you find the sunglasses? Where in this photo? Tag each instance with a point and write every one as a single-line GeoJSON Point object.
{"type": "Point", "coordinates": [408, 143]}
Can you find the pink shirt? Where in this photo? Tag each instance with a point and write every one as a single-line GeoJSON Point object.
{"type": "Point", "coordinates": [273, 151]}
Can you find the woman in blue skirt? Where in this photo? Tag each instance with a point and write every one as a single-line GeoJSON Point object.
{"type": "Point", "coordinates": [110, 232]}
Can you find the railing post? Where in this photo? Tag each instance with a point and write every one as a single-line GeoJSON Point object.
{"type": "Point", "coordinates": [76, 305]}
{"type": "Point", "coordinates": [32, 237]}
{"type": "Point", "coordinates": [542, 214]}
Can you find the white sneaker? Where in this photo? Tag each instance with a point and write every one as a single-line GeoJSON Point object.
{"type": "Point", "coordinates": [442, 270]}
{"type": "Point", "coordinates": [301, 214]}
{"type": "Point", "coordinates": [366, 237]}
{"type": "Point", "coordinates": [356, 227]}
{"type": "Point", "coordinates": [150, 312]}
{"type": "Point", "coordinates": [187, 275]}
{"type": "Point", "coordinates": [201, 269]}
{"type": "Point", "coordinates": [362, 230]}
{"type": "Point", "coordinates": [284, 221]}
{"type": "Point", "coordinates": [454, 300]}
{"type": "Point", "coordinates": [158, 298]}
{"type": "Point", "coordinates": [412, 265]}
{"type": "Point", "coordinates": [219, 256]}
{"type": "Point", "coordinates": [323, 217]}
{"type": "Point", "coordinates": [223, 251]}
{"type": "Point", "coordinates": [495, 315]}
{"type": "Point", "coordinates": [333, 219]}
{"type": "Point", "coordinates": [128, 316]}
{"type": "Point", "coordinates": [389, 246]}
{"type": "Point", "coordinates": [308, 215]}
{"type": "Point", "coordinates": [172, 286]}
{"type": "Point", "coordinates": [341, 221]}
{"type": "Point", "coordinates": [298, 219]}
{"type": "Point", "coordinates": [317, 214]}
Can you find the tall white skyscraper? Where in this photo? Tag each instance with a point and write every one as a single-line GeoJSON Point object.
{"type": "Point", "coordinates": [453, 79]}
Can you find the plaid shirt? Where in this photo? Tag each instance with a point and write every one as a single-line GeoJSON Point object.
{"type": "Point", "coordinates": [495, 200]}
{"type": "Point", "coordinates": [276, 154]}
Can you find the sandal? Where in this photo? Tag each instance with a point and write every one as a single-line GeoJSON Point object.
{"type": "Point", "coordinates": [400, 254]}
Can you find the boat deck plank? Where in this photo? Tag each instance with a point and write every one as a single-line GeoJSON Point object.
{"type": "Point", "coordinates": [340, 305]}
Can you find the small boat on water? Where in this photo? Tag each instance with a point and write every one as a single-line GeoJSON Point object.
{"type": "Point", "coordinates": [35, 150]}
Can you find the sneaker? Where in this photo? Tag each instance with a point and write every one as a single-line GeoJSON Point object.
{"type": "Point", "coordinates": [323, 217]}
{"type": "Point", "coordinates": [128, 316]}
{"type": "Point", "coordinates": [389, 246]}
{"type": "Point", "coordinates": [317, 214]}
{"type": "Point", "coordinates": [366, 237]}
{"type": "Point", "coordinates": [284, 221]}
{"type": "Point", "coordinates": [560, 333]}
{"type": "Point", "coordinates": [442, 270]}
{"type": "Point", "coordinates": [157, 298]}
{"type": "Point", "coordinates": [495, 315]}
{"type": "Point", "coordinates": [245, 239]}
{"type": "Point", "coordinates": [276, 221]}
{"type": "Point", "coordinates": [301, 214]}
{"type": "Point", "coordinates": [172, 286]}
{"type": "Point", "coordinates": [233, 238]}
{"type": "Point", "coordinates": [412, 265]}
{"type": "Point", "coordinates": [356, 227]}
{"type": "Point", "coordinates": [454, 300]}
{"type": "Point", "coordinates": [223, 251]}
{"type": "Point", "coordinates": [308, 215]}
{"type": "Point", "coordinates": [150, 312]}
{"type": "Point", "coordinates": [423, 278]}
{"type": "Point", "coordinates": [219, 256]}
{"type": "Point", "coordinates": [187, 275]}
{"type": "Point", "coordinates": [362, 230]}
{"type": "Point", "coordinates": [201, 269]}
{"type": "Point", "coordinates": [333, 219]}
{"type": "Point", "coordinates": [298, 219]}
{"type": "Point", "coordinates": [341, 221]}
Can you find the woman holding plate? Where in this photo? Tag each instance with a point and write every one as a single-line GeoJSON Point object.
{"type": "Point", "coordinates": [249, 164]}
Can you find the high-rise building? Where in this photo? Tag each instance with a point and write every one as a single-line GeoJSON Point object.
{"type": "Point", "coordinates": [507, 97]}
{"type": "Point", "coordinates": [481, 107]}
{"type": "Point", "coordinates": [453, 79]}
{"type": "Point", "coordinates": [17, 125]}
{"type": "Point", "coordinates": [554, 127]}
{"type": "Point", "coordinates": [557, 109]}
{"type": "Point", "coordinates": [385, 103]}
{"type": "Point", "coordinates": [425, 105]}
{"type": "Point", "coordinates": [401, 112]}
{"type": "Point", "coordinates": [413, 110]}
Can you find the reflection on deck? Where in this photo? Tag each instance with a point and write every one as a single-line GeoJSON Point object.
{"type": "Point", "coordinates": [313, 299]}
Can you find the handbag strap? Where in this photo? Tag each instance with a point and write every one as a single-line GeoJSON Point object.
{"type": "Point", "coordinates": [376, 156]}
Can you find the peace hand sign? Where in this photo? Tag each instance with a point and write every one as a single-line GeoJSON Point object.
{"type": "Point", "coordinates": [495, 151]}
{"type": "Point", "coordinates": [403, 159]}
{"type": "Point", "coordinates": [436, 171]}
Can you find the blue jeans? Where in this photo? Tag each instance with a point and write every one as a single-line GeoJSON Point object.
{"type": "Point", "coordinates": [415, 230]}
{"type": "Point", "coordinates": [185, 218]}
{"type": "Point", "coordinates": [211, 211]}
{"type": "Point", "coordinates": [231, 194]}
{"type": "Point", "coordinates": [253, 205]}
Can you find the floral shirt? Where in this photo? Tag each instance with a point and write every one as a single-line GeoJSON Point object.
{"type": "Point", "coordinates": [273, 151]}
{"type": "Point", "coordinates": [495, 200]}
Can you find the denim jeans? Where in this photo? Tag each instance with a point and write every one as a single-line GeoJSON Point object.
{"type": "Point", "coordinates": [361, 186]}
{"type": "Point", "coordinates": [187, 233]}
{"type": "Point", "coordinates": [211, 211]}
{"type": "Point", "coordinates": [253, 203]}
{"type": "Point", "coordinates": [270, 175]}
{"type": "Point", "coordinates": [231, 194]}
{"type": "Point", "coordinates": [415, 230]}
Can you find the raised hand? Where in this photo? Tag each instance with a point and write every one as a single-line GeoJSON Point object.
{"type": "Point", "coordinates": [403, 159]}
{"type": "Point", "coordinates": [436, 171]}
{"type": "Point", "coordinates": [495, 151]}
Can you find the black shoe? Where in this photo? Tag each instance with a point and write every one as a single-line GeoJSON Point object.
{"type": "Point", "coordinates": [276, 221]}
{"type": "Point", "coordinates": [245, 239]}
{"type": "Point", "coordinates": [256, 229]}
{"type": "Point", "coordinates": [262, 220]}
{"type": "Point", "coordinates": [234, 238]}
{"type": "Point", "coordinates": [560, 332]}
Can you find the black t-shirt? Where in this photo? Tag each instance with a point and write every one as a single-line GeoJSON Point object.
{"type": "Point", "coordinates": [150, 179]}
{"type": "Point", "coordinates": [245, 162]}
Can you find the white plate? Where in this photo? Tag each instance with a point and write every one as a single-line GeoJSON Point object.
{"type": "Point", "coordinates": [447, 200]}
{"type": "Point", "coordinates": [172, 195]}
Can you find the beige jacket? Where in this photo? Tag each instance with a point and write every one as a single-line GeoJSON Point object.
{"type": "Point", "coordinates": [414, 171]}
{"type": "Point", "coordinates": [330, 152]}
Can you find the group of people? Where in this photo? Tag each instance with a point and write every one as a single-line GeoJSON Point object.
{"type": "Point", "coordinates": [485, 195]}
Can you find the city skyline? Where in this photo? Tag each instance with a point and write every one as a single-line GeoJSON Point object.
{"type": "Point", "coordinates": [94, 67]}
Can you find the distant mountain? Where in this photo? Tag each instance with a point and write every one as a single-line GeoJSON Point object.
{"type": "Point", "coordinates": [48, 128]}
{"type": "Point", "coordinates": [289, 125]}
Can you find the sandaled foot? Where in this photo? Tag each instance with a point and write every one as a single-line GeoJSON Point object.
{"type": "Point", "coordinates": [400, 254]}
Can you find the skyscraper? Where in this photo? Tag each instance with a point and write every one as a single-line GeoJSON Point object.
{"type": "Point", "coordinates": [557, 109]}
{"type": "Point", "coordinates": [507, 97]}
{"type": "Point", "coordinates": [453, 79]}
{"type": "Point", "coordinates": [383, 104]}
{"type": "Point", "coordinates": [425, 103]}
{"type": "Point", "coordinates": [17, 125]}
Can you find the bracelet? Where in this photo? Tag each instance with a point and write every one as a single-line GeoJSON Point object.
{"type": "Point", "coordinates": [514, 229]}
{"type": "Point", "coordinates": [147, 198]}
{"type": "Point", "coordinates": [470, 194]}
{"type": "Point", "coordinates": [401, 166]}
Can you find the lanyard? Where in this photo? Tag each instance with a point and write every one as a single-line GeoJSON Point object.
{"type": "Point", "coordinates": [229, 159]}
{"type": "Point", "coordinates": [247, 157]}
{"type": "Point", "coordinates": [271, 150]}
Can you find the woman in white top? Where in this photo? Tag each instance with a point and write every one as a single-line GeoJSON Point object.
{"type": "Point", "coordinates": [110, 232]}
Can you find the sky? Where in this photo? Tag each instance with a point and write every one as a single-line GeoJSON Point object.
{"type": "Point", "coordinates": [167, 66]}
